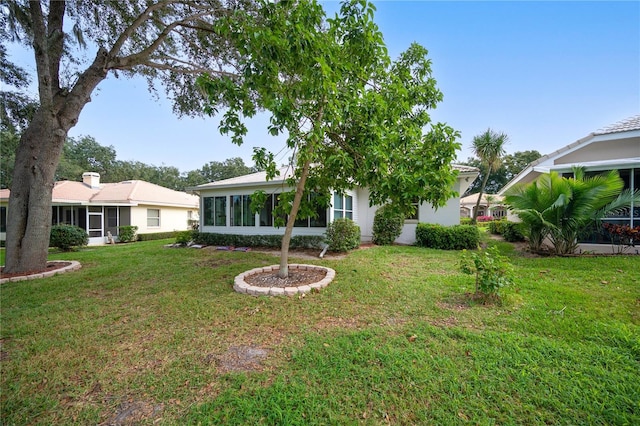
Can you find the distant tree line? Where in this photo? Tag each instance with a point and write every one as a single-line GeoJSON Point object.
{"type": "Point", "coordinates": [85, 154]}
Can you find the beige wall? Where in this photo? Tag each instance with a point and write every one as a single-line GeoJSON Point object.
{"type": "Point", "coordinates": [605, 150]}
{"type": "Point", "coordinates": [171, 218]}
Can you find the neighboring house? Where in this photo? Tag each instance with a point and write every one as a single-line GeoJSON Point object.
{"type": "Point", "coordinates": [490, 205]}
{"type": "Point", "coordinates": [224, 208]}
{"type": "Point", "coordinates": [616, 147]}
{"type": "Point", "coordinates": [100, 208]}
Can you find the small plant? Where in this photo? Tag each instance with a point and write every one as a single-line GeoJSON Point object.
{"type": "Point", "coordinates": [68, 237]}
{"type": "Point", "coordinates": [491, 269]}
{"type": "Point", "coordinates": [127, 234]}
{"type": "Point", "coordinates": [484, 219]}
{"type": "Point", "coordinates": [184, 237]}
{"type": "Point", "coordinates": [387, 225]}
{"type": "Point", "coordinates": [623, 236]}
{"type": "Point", "coordinates": [343, 235]}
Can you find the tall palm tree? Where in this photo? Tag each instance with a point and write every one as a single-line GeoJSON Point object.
{"type": "Point", "coordinates": [489, 148]}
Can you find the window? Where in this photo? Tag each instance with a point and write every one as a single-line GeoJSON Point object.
{"type": "Point", "coordinates": [241, 214]}
{"type": "Point", "coordinates": [215, 211]}
{"type": "Point", "coordinates": [318, 221]}
{"type": "Point", "coordinates": [3, 219]}
{"type": "Point", "coordinates": [153, 218]}
{"type": "Point", "coordinates": [416, 209]}
{"type": "Point", "coordinates": [342, 206]}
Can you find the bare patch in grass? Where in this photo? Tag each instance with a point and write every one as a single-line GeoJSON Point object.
{"type": "Point", "coordinates": [454, 304]}
{"type": "Point", "coordinates": [444, 322]}
{"type": "Point", "coordinates": [133, 412]}
{"type": "Point", "coordinates": [214, 262]}
{"type": "Point", "coordinates": [240, 358]}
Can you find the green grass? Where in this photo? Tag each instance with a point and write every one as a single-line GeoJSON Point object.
{"type": "Point", "coordinates": [394, 339]}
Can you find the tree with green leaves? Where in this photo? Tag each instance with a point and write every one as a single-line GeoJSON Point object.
{"type": "Point", "coordinates": [510, 166]}
{"type": "Point", "coordinates": [562, 209]}
{"type": "Point", "coordinates": [489, 148]}
{"type": "Point", "coordinates": [352, 116]}
{"type": "Point", "coordinates": [169, 42]}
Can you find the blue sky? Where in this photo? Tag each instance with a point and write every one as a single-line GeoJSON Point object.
{"type": "Point", "coordinates": [546, 73]}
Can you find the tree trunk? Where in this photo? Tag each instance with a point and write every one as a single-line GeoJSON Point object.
{"type": "Point", "coordinates": [484, 184]}
{"type": "Point", "coordinates": [286, 238]}
{"type": "Point", "coordinates": [37, 157]}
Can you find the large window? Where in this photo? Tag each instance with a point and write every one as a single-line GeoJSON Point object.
{"type": "Point", "coordinates": [153, 218]}
{"type": "Point", "coordinates": [318, 221]}
{"type": "Point", "coordinates": [215, 211]}
{"type": "Point", "coordinates": [416, 209]}
{"type": "Point", "coordinates": [342, 206]}
{"type": "Point", "coordinates": [241, 214]}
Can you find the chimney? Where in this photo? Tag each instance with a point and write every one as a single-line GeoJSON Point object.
{"type": "Point", "coordinates": [91, 179]}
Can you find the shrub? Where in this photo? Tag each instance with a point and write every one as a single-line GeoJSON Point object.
{"type": "Point", "coordinates": [274, 241]}
{"type": "Point", "coordinates": [67, 237]}
{"type": "Point", "coordinates": [127, 234]}
{"type": "Point", "coordinates": [492, 270]}
{"type": "Point", "coordinates": [343, 235]}
{"type": "Point", "coordinates": [387, 225]}
{"type": "Point", "coordinates": [512, 232]}
{"type": "Point", "coordinates": [156, 236]}
{"type": "Point", "coordinates": [183, 237]}
{"type": "Point", "coordinates": [466, 221]}
{"type": "Point", "coordinates": [456, 237]}
{"type": "Point", "coordinates": [484, 219]}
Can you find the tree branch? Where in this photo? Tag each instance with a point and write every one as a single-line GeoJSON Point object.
{"type": "Point", "coordinates": [55, 40]}
{"type": "Point", "coordinates": [45, 91]}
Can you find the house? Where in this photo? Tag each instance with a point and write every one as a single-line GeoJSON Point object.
{"type": "Point", "coordinates": [224, 207]}
{"type": "Point", "coordinates": [615, 147]}
{"type": "Point", "coordinates": [100, 208]}
{"type": "Point", "coordinates": [490, 205]}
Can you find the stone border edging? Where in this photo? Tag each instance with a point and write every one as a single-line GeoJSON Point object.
{"type": "Point", "coordinates": [241, 286]}
{"type": "Point", "coordinates": [74, 266]}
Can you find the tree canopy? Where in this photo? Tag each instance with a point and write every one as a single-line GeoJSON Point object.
{"type": "Point", "coordinates": [351, 115]}
{"type": "Point", "coordinates": [169, 42]}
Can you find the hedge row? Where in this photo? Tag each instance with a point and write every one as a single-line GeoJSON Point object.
{"type": "Point", "coordinates": [156, 236]}
{"type": "Point", "coordinates": [510, 231]}
{"type": "Point", "coordinates": [235, 240]}
{"type": "Point", "coordinates": [456, 237]}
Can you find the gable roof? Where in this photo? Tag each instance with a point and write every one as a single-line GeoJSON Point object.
{"type": "Point", "coordinates": [623, 129]}
{"type": "Point", "coordinates": [260, 178]}
{"type": "Point", "coordinates": [131, 192]}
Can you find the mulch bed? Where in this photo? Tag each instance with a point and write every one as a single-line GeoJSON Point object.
{"type": "Point", "coordinates": [51, 266]}
{"type": "Point", "coordinates": [296, 278]}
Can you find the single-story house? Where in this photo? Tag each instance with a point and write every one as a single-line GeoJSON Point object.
{"type": "Point", "coordinates": [100, 208]}
{"type": "Point", "coordinates": [490, 205]}
{"type": "Point", "coordinates": [615, 147]}
{"type": "Point", "coordinates": [224, 207]}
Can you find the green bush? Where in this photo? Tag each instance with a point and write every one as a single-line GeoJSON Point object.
{"type": "Point", "coordinates": [456, 237]}
{"type": "Point", "coordinates": [184, 237]}
{"type": "Point", "coordinates": [387, 225]}
{"type": "Point", "coordinates": [510, 231]}
{"type": "Point", "coordinates": [156, 236]}
{"type": "Point", "coordinates": [272, 241]}
{"type": "Point", "coordinates": [127, 234]}
{"type": "Point", "coordinates": [466, 221]}
{"type": "Point", "coordinates": [343, 235]}
{"type": "Point", "coordinates": [492, 270]}
{"type": "Point", "coordinates": [67, 237]}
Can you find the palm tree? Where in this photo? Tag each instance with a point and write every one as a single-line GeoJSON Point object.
{"type": "Point", "coordinates": [489, 148]}
{"type": "Point", "coordinates": [562, 208]}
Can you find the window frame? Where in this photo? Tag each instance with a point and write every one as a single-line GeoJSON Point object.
{"type": "Point", "coordinates": [340, 203]}
{"type": "Point", "coordinates": [149, 217]}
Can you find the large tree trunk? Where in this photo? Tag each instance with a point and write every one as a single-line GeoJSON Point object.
{"type": "Point", "coordinates": [482, 187]}
{"type": "Point", "coordinates": [286, 239]}
{"type": "Point", "coordinates": [37, 157]}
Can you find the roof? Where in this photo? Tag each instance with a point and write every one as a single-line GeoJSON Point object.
{"type": "Point", "coordinates": [131, 192]}
{"type": "Point", "coordinates": [626, 125]}
{"type": "Point", "coordinates": [473, 199]}
{"type": "Point", "coordinates": [607, 133]}
{"type": "Point", "coordinates": [260, 178]}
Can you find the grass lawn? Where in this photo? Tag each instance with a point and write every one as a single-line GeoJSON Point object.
{"type": "Point", "coordinates": [148, 335]}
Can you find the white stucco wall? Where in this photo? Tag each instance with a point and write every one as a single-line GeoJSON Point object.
{"type": "Point", "coordinates": [171, 218]}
